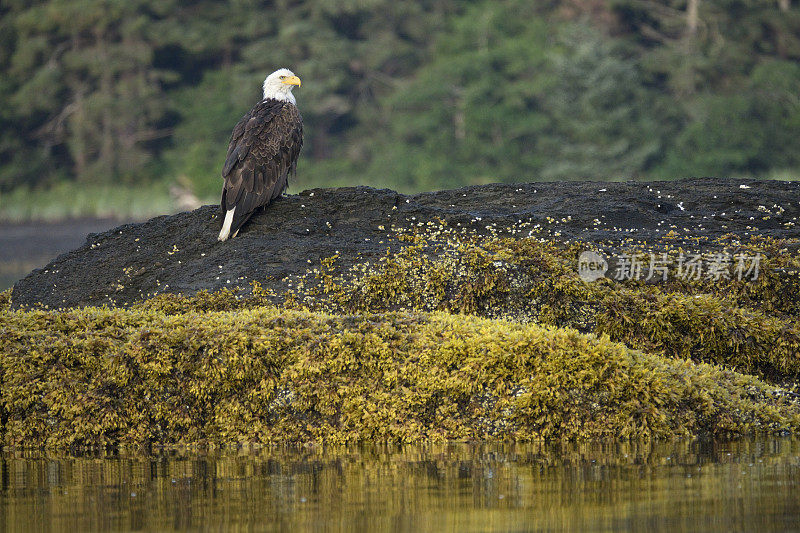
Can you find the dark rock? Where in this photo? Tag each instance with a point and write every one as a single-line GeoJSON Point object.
{"type": "Point", "coordinates": [180, 253]}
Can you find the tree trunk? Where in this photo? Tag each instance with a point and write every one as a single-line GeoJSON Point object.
{"type": "Point", "coordinates": [79, 147]}
{"type": "Point", "coordinates": [692, 17]}
{"type": "Point", "coordinates": [784, 5]}
{"type": "Point", "coordinates": [459, 118]}
{"type": "Point", "coordinates": [106, 156]}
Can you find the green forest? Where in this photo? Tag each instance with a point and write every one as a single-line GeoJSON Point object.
{"type": "Point", "coordinates": [107, 95]}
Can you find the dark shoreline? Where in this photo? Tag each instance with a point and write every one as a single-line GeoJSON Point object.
{"type": "Point", "coordinates": [25, 246]}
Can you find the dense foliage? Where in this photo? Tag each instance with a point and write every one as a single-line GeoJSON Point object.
{"type": "Point", "coordinates": [413, 95]}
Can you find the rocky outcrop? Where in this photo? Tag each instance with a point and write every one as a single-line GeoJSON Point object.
{"type": "Point", "coordinates": [180, 253]}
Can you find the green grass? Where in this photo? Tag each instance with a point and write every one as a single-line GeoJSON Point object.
{"type": "Point", "coordinates": [73, 200]}
{"type": "Point", "coordinates": [69, 200]}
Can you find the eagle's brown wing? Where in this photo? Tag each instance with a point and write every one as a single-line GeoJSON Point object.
{"type": "Point", "coordinates": [262, 153]}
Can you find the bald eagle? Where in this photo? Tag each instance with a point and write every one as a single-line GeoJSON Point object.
{"type": "Point", "coordinates": [262, 153]}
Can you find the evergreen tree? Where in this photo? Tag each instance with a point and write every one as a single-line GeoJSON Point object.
{"type": "Point", "coordinates": [88, 84]}
{"type": "Point", "coordinates": [412, 95]}
{"type": "Point", "coordinates": [604, 123]}
{"type": "Point", "coordinates": [471, 114]}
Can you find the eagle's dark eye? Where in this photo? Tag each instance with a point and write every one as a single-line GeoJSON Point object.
{"type": "Point", "coordinates": [282, 77]}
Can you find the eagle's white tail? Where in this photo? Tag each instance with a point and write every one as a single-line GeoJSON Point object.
{"type": "Point", "coordinates": [226, 226]}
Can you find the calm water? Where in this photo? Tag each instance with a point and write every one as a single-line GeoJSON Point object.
{"type": "Point", "coordinates": [30, 245]}
{"type": "Point", "coordinates": [735, 486]}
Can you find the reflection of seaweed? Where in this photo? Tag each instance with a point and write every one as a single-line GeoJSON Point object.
{"type": "Point", "coordinates": [437, 486]}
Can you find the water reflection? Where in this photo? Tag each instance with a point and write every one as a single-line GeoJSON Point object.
{"type": "Point", "coordinates": [744, 485]}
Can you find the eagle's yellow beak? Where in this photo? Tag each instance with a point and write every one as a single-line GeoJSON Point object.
{"type": "Point", "coordinates": [291, 80]}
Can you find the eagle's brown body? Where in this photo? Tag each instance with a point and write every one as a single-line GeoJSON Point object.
{"type": "Point", "coordinates": [262, 153]}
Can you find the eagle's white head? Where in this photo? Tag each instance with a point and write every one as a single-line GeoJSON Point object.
{"type": "Point", "coordinates": [279, 85]}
